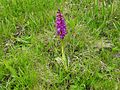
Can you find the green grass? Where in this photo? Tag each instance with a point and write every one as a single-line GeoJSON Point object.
{"type": "Point", "coordinates": [30, 54]}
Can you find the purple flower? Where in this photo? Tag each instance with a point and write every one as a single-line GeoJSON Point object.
{"type": "Point", "coordinates": [60, 25]}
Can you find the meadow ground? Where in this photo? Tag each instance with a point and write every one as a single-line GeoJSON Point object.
{"type": "Point", "coordinates": [30, 54]}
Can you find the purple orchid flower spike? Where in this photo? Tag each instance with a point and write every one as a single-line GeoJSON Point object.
{"type": "Point", "coordinates": [60, 25]}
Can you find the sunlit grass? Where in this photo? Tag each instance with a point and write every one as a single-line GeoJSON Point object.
{"type": "Point", "coordinates": [30, 53]}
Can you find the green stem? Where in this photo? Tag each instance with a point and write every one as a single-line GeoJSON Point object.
{"type": "Point", "coordinates": [63, 55]}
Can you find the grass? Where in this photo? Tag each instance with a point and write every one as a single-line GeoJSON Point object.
{"type": "Point", "coordinates": [30, 54]}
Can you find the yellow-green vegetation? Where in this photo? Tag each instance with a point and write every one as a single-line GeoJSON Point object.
{"type": "Point", "coordinates": [30, 52]}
